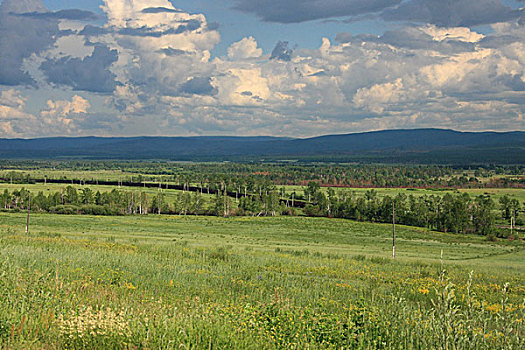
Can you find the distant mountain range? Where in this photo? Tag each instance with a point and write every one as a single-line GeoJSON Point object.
{"type": "Point", "coordinates": [426, 146]}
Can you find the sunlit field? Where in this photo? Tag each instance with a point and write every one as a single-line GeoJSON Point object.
{"type": "Point", "coordinates": [166, 282]}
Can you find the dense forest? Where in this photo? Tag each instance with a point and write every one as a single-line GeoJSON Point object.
{"type": "Point", "coordinates": [235, 175]}
{"type": "Point", "coordinates": [417, 146]}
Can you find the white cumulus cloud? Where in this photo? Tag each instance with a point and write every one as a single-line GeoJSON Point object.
{"type": "Point", "coordinates": [246, 48]}
{"type": "Point", "coordinates": [64, 115]}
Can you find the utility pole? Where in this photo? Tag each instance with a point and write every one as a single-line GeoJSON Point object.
{"type": "Point", "coordinates": [28, 212]}
{"type": "Point", "coordinates": [512, 222]}
{"type": "Point", "coordinates": [394, 230]}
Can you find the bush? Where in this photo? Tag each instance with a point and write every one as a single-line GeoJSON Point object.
{"type": "Point", "coordinates": [492, 237]}
{"type": "Point", "coordinates": [104, 210]}
{"type": "Point", "coordinates": [65, 209]}
{"type": "Point", "coordinates": [311, 210]}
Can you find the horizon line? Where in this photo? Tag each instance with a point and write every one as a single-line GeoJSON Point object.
{"type": "Point", "coordinates": [259, 136]}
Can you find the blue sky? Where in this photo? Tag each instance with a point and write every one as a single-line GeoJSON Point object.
{"type": "Point", "coordinates": [267, 67]}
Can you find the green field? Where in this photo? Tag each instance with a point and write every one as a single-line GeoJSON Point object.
{"type": "Point", "coordinates": [173, 282]}
{"type": "Point", "coordinates": [495, 193]}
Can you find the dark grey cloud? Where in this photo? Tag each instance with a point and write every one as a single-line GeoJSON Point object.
{"type": "Point", "coordinates": [90, 30]}
{"type": "Point", "coordinates": [160, 10]}
{"type": "Point", "coordinates": [142, 31]}
{"type": "Point", "coordinates": [213, 26]}
{"type": "Point", "coordinates": [497, 41]}
{"type": "Point", "coordinates": [170, 51]}
{"type": "Point", "coordinates": [22, 6]}
{"type": "Point", "coordinates": [88, 74]}
{"type": "Point", "coordinates": [250, 94]}
{"type": "Point", "coordinates": [73, 14]}
{"type": "Point", "coordinates": [513, 82]}
{"type": "Point", "coordinates": [20, 37]}
{"type": "Point", "coordinates": [294, 11]}
{"type": "Point", "coordinates": [186, 26]}
{"type": "Point", "coordinates": [189, 26]}
{"type": "Point", "coordinates": [452, 13]}
{"type": "Point", "coordinates": [198, 86]}
{"type": "Point", "coordinates": [344, 37]}
{"type": "Point", "coordinates": [438, 12]}
{"type": "Point", "coordinates": [319, 74]}
{"type": "Point", "coordinates": [411, 38]}
{"type": "Point", "coordinates": [282, 52]}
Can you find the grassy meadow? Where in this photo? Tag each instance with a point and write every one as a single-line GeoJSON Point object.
{"type": "Point", "coordinates": [175, 282]}
{"type": "Point", "coordinates": [495, 193]}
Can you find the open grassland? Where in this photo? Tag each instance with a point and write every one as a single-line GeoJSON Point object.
{"type": "Point", "coordinates": [174, 282]}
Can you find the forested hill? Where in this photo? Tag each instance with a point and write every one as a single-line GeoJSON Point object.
{"type": "Point", "coordinates": [417, 146]}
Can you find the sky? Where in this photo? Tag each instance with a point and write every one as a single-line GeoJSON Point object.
{"type": "Point", "coordinates": [295, 68]}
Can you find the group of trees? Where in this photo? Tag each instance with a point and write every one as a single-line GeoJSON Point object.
{"type": "Point", "coordinates": [456, 213]}
{"type": "Point", "coordinates": [84, 201]}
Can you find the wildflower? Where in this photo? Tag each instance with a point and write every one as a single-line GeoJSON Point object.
{"type": "Point", "coordinates": [493, 308]}
{"type": "Point", "coordinates": [423, 290]}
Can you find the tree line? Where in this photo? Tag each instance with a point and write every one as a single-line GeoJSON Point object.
{"type": "Point", "coordinates": [279, 174]}
{"type": "Point", "coordinates": [454, 213]}
{"type": "Point", "coordinates": [117, 202]}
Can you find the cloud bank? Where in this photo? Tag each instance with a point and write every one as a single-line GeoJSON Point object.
{"type": "Point", "coordinates": [149, 70]}
{"type": "Point", "coordinates": [438, 12]}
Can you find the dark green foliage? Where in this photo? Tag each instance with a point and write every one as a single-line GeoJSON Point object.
{"type": "Point", "coordinates": [425, 146]}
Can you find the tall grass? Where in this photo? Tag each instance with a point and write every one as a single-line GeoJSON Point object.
{"type": "Point", "coordinates": [206, 288]}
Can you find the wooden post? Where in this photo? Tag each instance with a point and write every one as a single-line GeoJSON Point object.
{"type": "Point", "coordinates": [28, 212]}
{"type": "Point", "coordinates": [394, 230]}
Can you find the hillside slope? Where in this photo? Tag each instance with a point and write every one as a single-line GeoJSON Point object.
{"type": "Point", "coordinates": [419, 146]}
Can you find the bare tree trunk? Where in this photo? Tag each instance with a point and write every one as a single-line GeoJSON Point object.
{"type": "Point", "coordinates": [28, 213]}
{"type": "Point", "coordinates": [394, 231]}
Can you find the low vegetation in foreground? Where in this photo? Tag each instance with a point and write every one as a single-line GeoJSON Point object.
{"type": "Point", "coordinates": [176, 282]}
